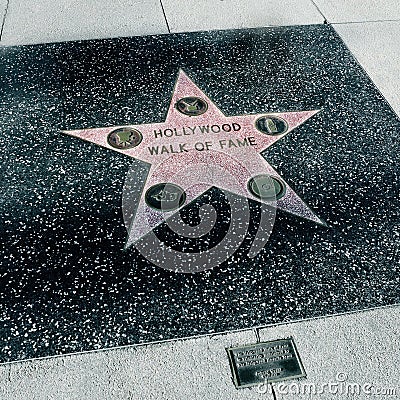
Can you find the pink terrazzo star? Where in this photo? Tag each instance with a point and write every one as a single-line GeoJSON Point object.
{"type": "Point", "coordinates": [217, 150]}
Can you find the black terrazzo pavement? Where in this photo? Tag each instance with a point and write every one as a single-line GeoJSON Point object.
{"type": "Point", "coordinates": [67, 285]}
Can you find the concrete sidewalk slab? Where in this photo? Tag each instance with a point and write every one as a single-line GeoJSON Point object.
{"type": "Point", "coordinates": [186, 369]}
{"type": "Point", "coordinates": [43, 21]}
{"type": "Point", "coordinates": [190, 15]}
{"type": "Point", "coordinates": [357, 11]}
{"type": "Point", "coordinates": [355, 352]}
{"type": "Point", "coordinates": [377, 48]}
{"type": "Point", "coordinates": [3, 9]}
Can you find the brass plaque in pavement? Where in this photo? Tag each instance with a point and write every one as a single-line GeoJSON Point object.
{"type": "Point", "coordinates": [272, 361]}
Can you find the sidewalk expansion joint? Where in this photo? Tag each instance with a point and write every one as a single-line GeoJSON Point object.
{"type": "Point", "coordinates": [4, 19]}
{"type": "Point", "coordinates": [165, 16]}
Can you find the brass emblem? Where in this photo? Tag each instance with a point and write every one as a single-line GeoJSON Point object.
{"type": "Point", "coordinates": [192, 106]}
{"type": "Point", "coordinates": [165, 197]}
{"type": "Point", "coordinates": [272, 125]}
{"type": "Point", "coordinates": [267, 187]}
{"type": "Point", "coordinates": [124, 138]}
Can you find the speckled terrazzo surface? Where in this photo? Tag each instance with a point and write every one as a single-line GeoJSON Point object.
{"type": "Point", "coordinates": [67, 285]}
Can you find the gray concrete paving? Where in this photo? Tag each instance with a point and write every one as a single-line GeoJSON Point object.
{"type": "Point", "coordinates": [192, 15]}
{"type": "Point", "coordinates": [359, 11]}
{"type": "Point", "coordinates": [377, 48]}
{"type": "Point", "coordinates": [45, 21]}
{"type": "Point", "coordinates": [3, 9]}
{"type": "Point", "coordinates": [186, 369]}
{"type": "Point", "coordinates": [360, 348]}
{"type": "Point", "coordinates": [355, 352]}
